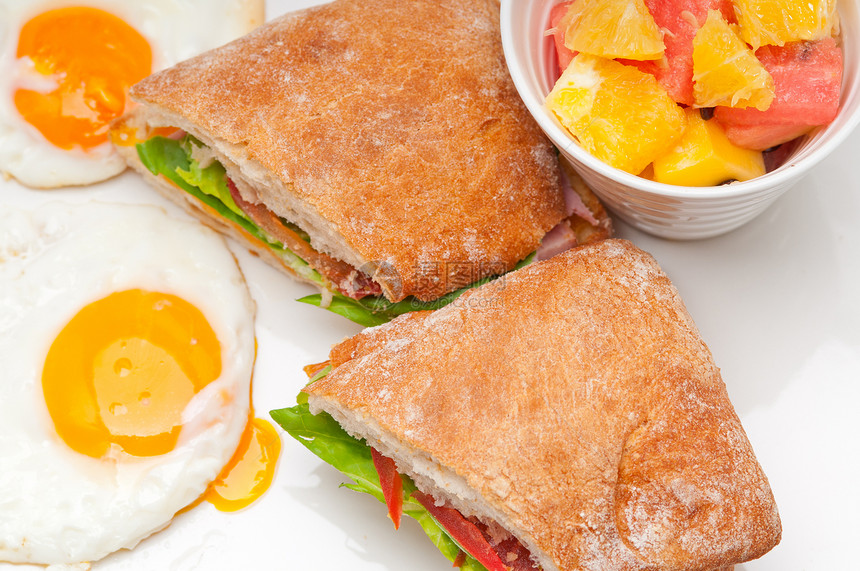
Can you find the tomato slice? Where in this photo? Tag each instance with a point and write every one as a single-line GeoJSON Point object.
{"type": "Point", "coordinates": [464, 532]}
{"type": "Point", "coordinates": [392, 485]}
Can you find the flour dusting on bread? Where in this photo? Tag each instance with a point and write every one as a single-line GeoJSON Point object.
{"type": "Point", "coordinates": [574, 404]}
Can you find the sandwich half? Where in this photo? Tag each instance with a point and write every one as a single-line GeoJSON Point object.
{"type": "Point", "coordinates": [381, 153]}
{"type": "Point", "coordinates": [567, 416]}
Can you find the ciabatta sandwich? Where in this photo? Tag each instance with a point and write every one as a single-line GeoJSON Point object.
{"type": "Point", "coordinates": [565, 417]}
{"type": "Point", "coordinates": [378, 150]}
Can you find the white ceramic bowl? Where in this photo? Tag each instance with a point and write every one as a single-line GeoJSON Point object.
{"type": "Point", "coordinates": [664, 210]}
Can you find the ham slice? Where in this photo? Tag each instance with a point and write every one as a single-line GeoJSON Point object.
{"type": "Point", "coordinates": [573, 202]}
{"type": "Point", "coordinates": [510, 550]}
{"type": "Point", "coordinates": [556, 241]}
{"type": "Point", "coordinates": [562, 237]}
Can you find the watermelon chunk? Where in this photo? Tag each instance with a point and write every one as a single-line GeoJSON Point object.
{"type": "Point", "coordinates": [562, 52]}
{"type": "Point", "coordinates": [807, 80]}
{"type": "Point", "coordinates": [763, 137]}
{"type": "Point", "coordinates": [680, 19]}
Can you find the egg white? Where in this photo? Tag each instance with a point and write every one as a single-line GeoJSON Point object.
{"type": "Point", "coordinates": [61, 507]}
{"type": "Point", "coordinates": [176, 30]}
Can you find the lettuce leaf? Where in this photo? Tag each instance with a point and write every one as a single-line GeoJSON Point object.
{"type": "Point", "coordinates": [211, 180]}
{"type": "Point", "coordinates": [323, 436]}
{"type": "Point", "coordinates": [173, 160]}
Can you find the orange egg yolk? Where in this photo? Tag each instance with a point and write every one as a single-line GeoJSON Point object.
{"type": "Point", "coordinates": [251, 470]}
{"type": "Point", "coordinates": [94, 57]}
{"type": "Point", "coordinates": [123, 369]}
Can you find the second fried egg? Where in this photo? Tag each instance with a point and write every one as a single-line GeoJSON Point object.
{"type": "Point", "coordinates": [66, 66]}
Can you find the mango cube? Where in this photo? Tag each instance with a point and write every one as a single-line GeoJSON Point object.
{"type": "Point", "coordinates": [704, 156]}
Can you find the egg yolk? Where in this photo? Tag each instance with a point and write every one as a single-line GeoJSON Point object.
{"type": "Point", "coordinates": [123, 369]}
{"type": "Point", "coordinates": [94, 57]}
{"type": "Point", "coordinates": [251, 470]}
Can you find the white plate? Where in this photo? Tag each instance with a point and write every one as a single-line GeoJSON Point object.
{"type": "Point", "coordinates": [778, 301]}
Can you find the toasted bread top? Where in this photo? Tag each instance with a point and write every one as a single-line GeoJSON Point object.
{"type": "Point", "coordinates": [577, 398]}
{"type": "Point", "coordinates": [396, 121]}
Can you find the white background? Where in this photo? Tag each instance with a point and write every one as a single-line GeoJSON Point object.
{"type": "Point", "coordinates": [778, 302]}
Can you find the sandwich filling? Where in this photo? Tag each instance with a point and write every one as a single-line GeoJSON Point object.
{"type": "Point", "coordinates": [189, 165]}
{"type": "Point", "coordinates": [349, 292]}
{"type": "Point", "coordinates": [179, 159]}
{"type": "Point", "coordinates": [472, 544]}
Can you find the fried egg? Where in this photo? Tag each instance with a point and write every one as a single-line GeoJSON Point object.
{"type": "Point", "coordinates": [127, 341]}
{"type": "Point", "coordinates": [66, 66]}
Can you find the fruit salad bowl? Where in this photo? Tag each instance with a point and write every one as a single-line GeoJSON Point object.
{"type": "Point", "coordinates": [666, 210]}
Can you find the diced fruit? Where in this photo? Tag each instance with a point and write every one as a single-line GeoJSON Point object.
{"type": "Point", "coordinates": [763, 137]}
{"type": "Point", "coordinates": [807, 81]}
{"type": "Point", "coordinates": [704, 156]}
{"type": "Point", "coordinates": [776, 22]}
{"type": "Point", "coordinates": [725, 71]}
{"type": "Point", "coordinates": [564, 55]}
{"type": "Point", "coordinates": [762, 99]}
{"type": "Point", "coordinates": [616, 112]}
{"type": "Point", "coordinates": [612, 29]}
{"type": "Point", "coordinates": [680, 20]}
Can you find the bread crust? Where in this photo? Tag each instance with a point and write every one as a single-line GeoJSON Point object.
{"type": "Point", "coordinates": [395, 129]}
{"type": "Point", "coordinates": [577, 399]}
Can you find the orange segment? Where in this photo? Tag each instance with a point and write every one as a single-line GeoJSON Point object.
{"type": "Point", "coordinates": [94, 57]}
{"type": "Point", "coordinates": [776, 22]}
{"type": "Point", "coordinates": [612, 29]}
{"type": "Point", "coordinates": [725, 70]}
{"type": "Point", "coordinates": [617, 113]}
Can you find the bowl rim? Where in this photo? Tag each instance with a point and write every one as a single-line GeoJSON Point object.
{"type": "Point", "coordinates": [818, 145]}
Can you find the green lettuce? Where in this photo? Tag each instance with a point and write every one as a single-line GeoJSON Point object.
{"type": "Point", "coordinates": [173, 159]}
{"type": "Point", "coordinates": [323, 436]}
{"type": "Point", "coordinates": [211, 180]}
{"type": "Point", "coordinates": [376, 310]}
